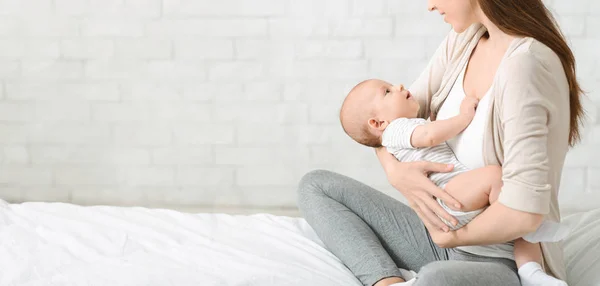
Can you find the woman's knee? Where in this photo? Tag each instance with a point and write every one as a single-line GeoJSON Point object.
{"type": "Point", "coordinates": [309, 187]}
{"type": "Point", "coordinates": [433, 274]}
{"type": "Point", "coordinates": [312, 181]}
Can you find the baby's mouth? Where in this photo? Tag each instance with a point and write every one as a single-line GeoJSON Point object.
{"type": "Point", "coordinates": [408, 95]}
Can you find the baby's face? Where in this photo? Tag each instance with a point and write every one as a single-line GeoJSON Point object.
{"type": "Point", "coordinates": [391, 102]}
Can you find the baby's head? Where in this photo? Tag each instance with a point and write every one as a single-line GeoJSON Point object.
{"type": "Point", "coordinates": [370, 107]}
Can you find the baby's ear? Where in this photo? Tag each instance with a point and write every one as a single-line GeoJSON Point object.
{"type": "Point", "coordinates": [378, 124]}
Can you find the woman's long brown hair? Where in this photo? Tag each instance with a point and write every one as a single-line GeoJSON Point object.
{"type": "Point", "coordinates": [531, 18]}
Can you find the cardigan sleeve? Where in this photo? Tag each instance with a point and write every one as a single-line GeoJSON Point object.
{"type": "Point", "coordinates": [527, 103]}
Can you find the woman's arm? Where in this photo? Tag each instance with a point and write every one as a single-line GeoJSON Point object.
{"type": "Point", "coordinates": [411, 180]}
{"type": "Point", "coordinates": [529, 101]}
{"type": "Point", "coordinates": [497, 224]}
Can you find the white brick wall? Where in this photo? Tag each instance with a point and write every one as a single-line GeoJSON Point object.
{"type": "Point", "coordinates": [198, 103]}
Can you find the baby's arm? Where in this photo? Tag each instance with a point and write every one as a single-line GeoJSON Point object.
{"type": "Point", "coordinates": [436, 132]}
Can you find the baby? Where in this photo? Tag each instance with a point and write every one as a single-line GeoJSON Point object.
{"type": "Point", "coordinates": [377, 114]}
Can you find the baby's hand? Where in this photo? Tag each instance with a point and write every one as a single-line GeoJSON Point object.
{"type": "Point", "coordinates": [468, 106]}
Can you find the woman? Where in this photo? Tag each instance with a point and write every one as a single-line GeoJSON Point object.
{"type": "Point", "coordinates": [515, 60]}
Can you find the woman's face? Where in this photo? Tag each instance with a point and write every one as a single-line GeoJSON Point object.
{"type": "Point", "coordinates": [458, 13]}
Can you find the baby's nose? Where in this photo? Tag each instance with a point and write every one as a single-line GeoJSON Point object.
{"type": "Point", "coordinates": [400, 87]}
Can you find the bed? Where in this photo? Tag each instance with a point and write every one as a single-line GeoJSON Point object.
{"type": "Point", "coordinates": [66, 244]}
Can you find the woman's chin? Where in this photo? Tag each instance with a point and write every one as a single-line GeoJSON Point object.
{"type": "Point", "coordinates": [458, 28]}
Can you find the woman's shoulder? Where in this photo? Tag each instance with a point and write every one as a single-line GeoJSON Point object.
{"type": "Point", "coordinates": [529, 60]}
{"type": "Point", "coordinates": [527, 54]}
{"type": "Point", "coordinates": [531, 65]}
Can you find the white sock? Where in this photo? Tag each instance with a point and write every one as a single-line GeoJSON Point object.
{"type": "Point", "coordinates": [407, 283]}
{"type": "Point", "coordinates": [548, 231]}
{"type": "Point", "coordinates": [531, 274]}
{"type": "Point", "coordinates": [408, 275]}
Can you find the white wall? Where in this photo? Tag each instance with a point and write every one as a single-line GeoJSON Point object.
{"type": "Point", "coordinates": [216, 103]}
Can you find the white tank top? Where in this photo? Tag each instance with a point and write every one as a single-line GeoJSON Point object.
{"type": "Point", "coordinates": [468, 149]}
{"type": "Point", "coordinates": [471, 138]}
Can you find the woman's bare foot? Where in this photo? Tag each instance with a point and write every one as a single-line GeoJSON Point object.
{"type": "Point", "coordinates": [389, 281]}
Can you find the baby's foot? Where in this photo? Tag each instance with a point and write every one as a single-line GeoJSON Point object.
{"type": "Point", "coordinates": [531, 274]}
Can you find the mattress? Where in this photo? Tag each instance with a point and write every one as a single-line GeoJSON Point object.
{"type": "Point", "coordinates": [65, 244]}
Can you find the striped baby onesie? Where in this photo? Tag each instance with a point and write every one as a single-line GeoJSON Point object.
{"type": "Point", "coordinates": [396, 138]}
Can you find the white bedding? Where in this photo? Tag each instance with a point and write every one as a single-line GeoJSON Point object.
{"type": "Point", "coordinates": [64, 244]}
{"type": "Point", "coordinates": [582, 248]}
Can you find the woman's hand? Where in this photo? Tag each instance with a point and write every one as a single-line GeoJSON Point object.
{"type": "Point", "coordinates": [412, 181]}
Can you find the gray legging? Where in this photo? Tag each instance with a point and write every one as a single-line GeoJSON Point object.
{"type": "Point", "coordinates": [373, 234]}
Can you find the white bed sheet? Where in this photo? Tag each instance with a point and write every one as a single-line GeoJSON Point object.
{"type": "Point", "coordinates": [64, 244]}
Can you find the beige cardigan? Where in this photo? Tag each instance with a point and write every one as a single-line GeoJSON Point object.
{"type": "Point", "coordinates": [528, 128]}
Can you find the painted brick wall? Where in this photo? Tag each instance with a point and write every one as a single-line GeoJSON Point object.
{"type": "Point", "coordinates": [218, 103]}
